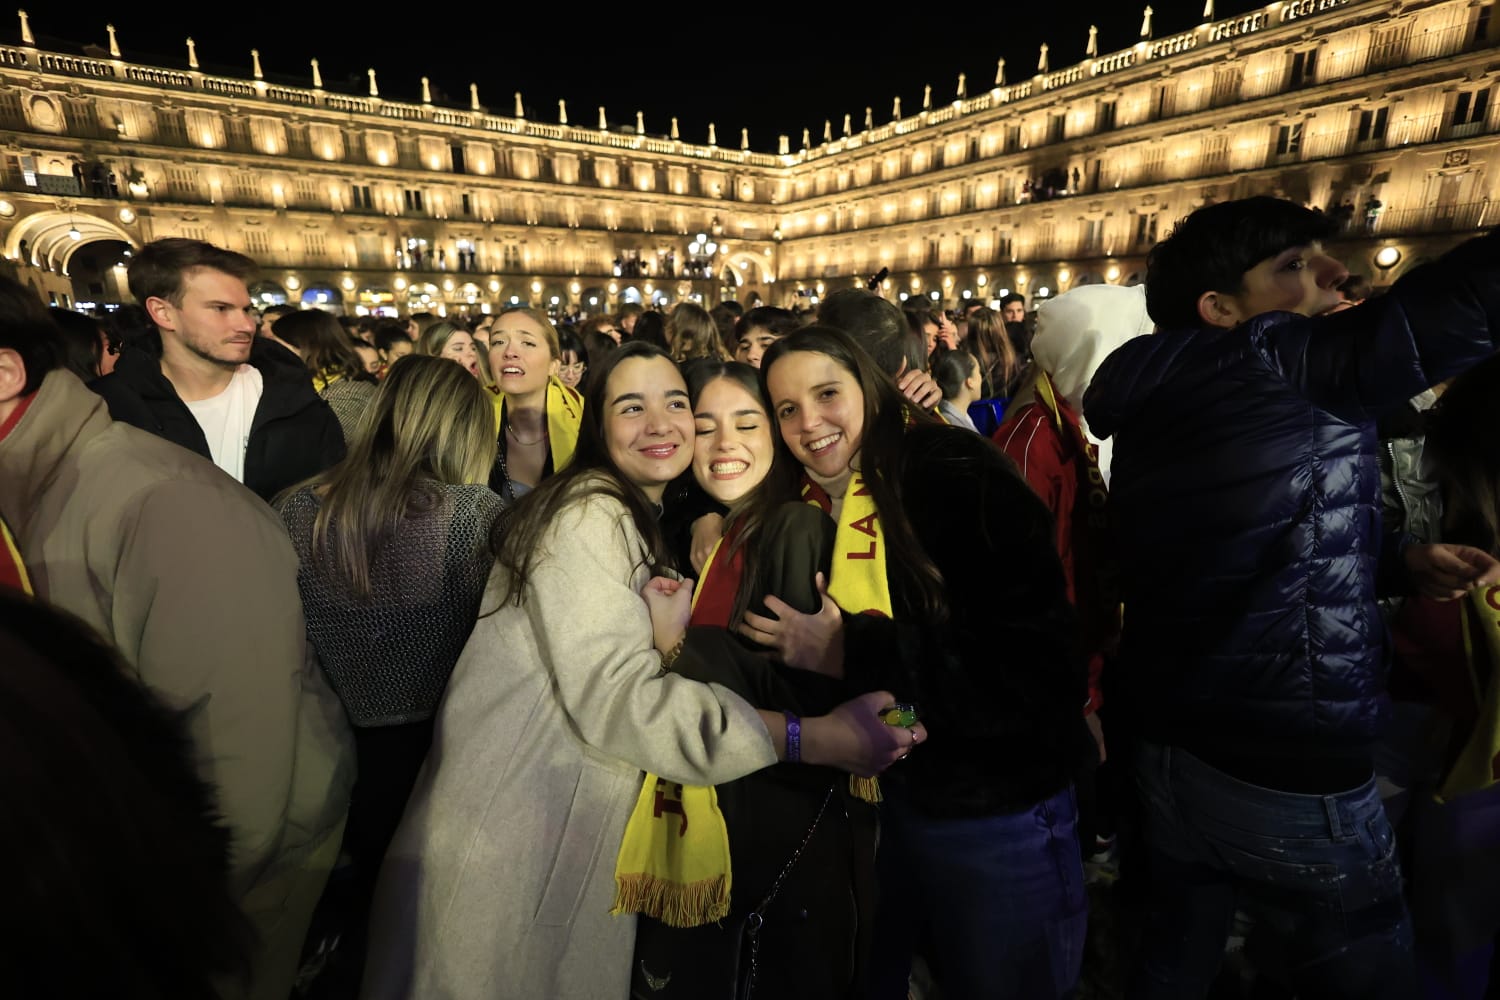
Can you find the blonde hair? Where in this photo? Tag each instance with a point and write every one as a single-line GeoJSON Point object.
{"type": "Point", "coordinates": [435, 336]}
{"type": "Point", "coordinates": [430, 423]}
{"type": "Point", "coordinates": [549, 332]}
{"type": "Point", "coordinates": [693, 333]}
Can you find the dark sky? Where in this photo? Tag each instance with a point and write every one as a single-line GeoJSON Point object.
{"type": "Point", "coordinates": [788, 68]}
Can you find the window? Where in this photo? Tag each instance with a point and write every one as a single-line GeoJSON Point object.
{"type": "Point", "coordinates": [1164, 100]}
{"type": "Point", "coordinates": [170, 124]}
{"type": "Point", "coordinates": [1106, 118]}
{"type": "Point", "coordinates": [1482, 17]}
{"type": "Point", "coordinates": [314, 246]}
{"type": "Point", "coordinates": [182, 182]}
{"type": "Point", "coordinates": [466, 204]}
{"type": "Point", "coordinates": [1093, 235]}
{"type": "Point", "coordinates": [10, 109]}
{"type": "Point", "coordinates": [413, 200]}
{"type": "Point", "coordinates": [195, 233]}
{"type": "Point", "coordinates": [1470, 110]}
{"type": "Point", "coordinates": [1304, 68]}
{"type": "Point", "coordinates": [1145, 229]}
{"type": "Point", "coordinates": [1289, 140]}
{"type": "Point", "coordinates": [360, 196]}
{"type": "Point", "coordinates": [1372, 125]}
{"type": "Point", "coordinates": [1012, 138]}
{"type": "Point", "coordinates": [257, 243]}
{"type": "Point", "coordinates": [1228, 81]}
{"type": "Point", "coordinates": [246, 187]}
{"type": "Point", "coordinates": [307, 191]}
{"type": "Point", "coordinates": [1057, 126]}
{"type": "Point", "coordinates": [456, 151]}
{"type": "Point", "coordinates": [25, 166]}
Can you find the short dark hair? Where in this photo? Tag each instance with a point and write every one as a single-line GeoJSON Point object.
{"type": "Point", "coordinates": [157, 270]}
{"type": "Point", "coordinates": [1212, 249]}
{"type": "Point", "coordinates": [26, 329]}
{"type": "Point", "coordinates": [1010, 297]}
{"type": "Point", "coordinates": [778, 321]}
{"type": "Point", "coordinates": [83, 348]}
{"type": "Point", "coordinates": [389, 331]}
{"type": "Point", "coordinates": [629, 309]}
{"type": "Point", "coordinates": [876, 325]}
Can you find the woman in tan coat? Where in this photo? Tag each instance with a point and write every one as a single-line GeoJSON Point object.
{"type": "Point", "coordinates": [500, 882]}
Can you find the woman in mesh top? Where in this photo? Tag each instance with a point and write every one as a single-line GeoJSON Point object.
{"type": "Point", "coordinates": [393, 546]}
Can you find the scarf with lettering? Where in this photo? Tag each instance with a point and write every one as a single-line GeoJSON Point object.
{"type": "Point", "coordinates": [1478, 764]}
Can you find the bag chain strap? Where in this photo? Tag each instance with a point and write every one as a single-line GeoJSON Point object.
{"type": "Point", "coordinates": [755, 920]}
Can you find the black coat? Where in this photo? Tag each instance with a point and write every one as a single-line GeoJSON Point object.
{"type": "Point", "coordinates": [1000, 684]}
{"type": "Point", "coordinates": [294, 434]}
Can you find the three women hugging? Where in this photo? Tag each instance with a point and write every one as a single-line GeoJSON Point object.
{"type": "Point", "coordinates": [871, 556]}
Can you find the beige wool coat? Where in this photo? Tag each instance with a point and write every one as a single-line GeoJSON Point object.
{"type": "Point", "coordinates": [193, 578]}
{"type": "Point", "coordinates": [500, 880]}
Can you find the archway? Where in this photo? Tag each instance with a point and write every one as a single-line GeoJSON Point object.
{"type": "Point", "coordinates": [50, 239]}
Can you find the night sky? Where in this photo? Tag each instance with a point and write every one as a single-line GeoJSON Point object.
{"type": "Point", "coordinates": [787, 69]}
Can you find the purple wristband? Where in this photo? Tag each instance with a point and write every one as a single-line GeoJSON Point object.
{"type": "Point", "coordinates": [793, 738]}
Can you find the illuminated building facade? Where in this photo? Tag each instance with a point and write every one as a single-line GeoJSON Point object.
{"type": "Point", "coordinates": [1383, 111]}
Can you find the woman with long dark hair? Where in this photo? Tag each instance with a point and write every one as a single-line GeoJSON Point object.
{"type": "Point", "coordinates": [503, 875]}
{"type": "Point", "coordinates": [953, 599]}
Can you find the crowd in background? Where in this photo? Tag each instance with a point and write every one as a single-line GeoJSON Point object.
{"type": "Point", "coordinates": [875, 651]}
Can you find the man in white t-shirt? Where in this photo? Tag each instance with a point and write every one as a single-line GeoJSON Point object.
{"type": "Point", "coordinates": [216, 388]}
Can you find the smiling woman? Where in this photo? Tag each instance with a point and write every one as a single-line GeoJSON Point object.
{"type": "Point", "coordinates": [500, 878]}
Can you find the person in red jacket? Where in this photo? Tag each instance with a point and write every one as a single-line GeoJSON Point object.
{"type": "Point", "coordinates": [1044, 434]}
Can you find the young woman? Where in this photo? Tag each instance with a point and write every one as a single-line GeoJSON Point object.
{"type": "Point", "coordinates": [338, 371]}
{"type": "Point", "coordinates": [572, 359]}
{"type": "Point", "coordinates": [814, 914]}
{"type": "Point", "coordinates": [979, 847]}
{"type": "Point", "coordinates": [394, 550]}
{"type": "Point", "coordinates": [499, 882]}
{"type": "Point", "coordinates": [693, 334]}
{"type": "Point", "coordinates": [991, 346]}
{"type": "Point", "coordinates": [445, 339]}
{"type": "Point", "coordinates": [536, 416]}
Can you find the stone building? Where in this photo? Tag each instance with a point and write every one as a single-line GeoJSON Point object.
{"type": "Point", "coordinates": [1381, 111]}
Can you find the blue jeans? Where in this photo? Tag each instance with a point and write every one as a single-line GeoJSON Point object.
{"type": "Point", "coordinates": [1318, 872]}
{"type": "Point", "coordinates": [996, 904]}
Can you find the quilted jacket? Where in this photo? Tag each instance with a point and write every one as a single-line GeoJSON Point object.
{"type": "Point", "coordinates": [1246, 497]}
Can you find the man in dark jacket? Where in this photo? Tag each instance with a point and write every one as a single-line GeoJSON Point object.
{"type": "Point", "coordinates": [216, 389]}
{"type": "Point", "coordinates": [1247, 499]}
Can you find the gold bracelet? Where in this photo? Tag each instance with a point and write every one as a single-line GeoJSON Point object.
{"type": "Point", "coordinates": [670, 656]}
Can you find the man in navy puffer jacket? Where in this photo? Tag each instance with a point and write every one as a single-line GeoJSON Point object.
{"type": "Point", "coordinates": [1247, 500]}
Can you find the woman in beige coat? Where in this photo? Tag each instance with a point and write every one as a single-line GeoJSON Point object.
{"type": "Point", "coordinates": [499, 882]}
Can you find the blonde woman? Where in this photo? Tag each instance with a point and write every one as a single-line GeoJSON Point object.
{"type": "Point", "coordinates": [444, 339]}
{"type": "Point", "coordinates": [536, 416]}
{"type": "Point", "coordinates": [393, 551]}
{"type": "Point", "coordinates": [693, 334]}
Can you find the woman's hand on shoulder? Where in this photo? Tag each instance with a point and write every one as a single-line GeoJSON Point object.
{"type": "Point", "coordinates": [807, 642]}
{"type": "Point", "coordinates": [853, 737]}
{"type": "Point", "coordinates": [670, 604]}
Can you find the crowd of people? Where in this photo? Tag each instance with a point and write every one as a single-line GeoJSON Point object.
{"type": "Point", "coordinates": [758, 652]}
